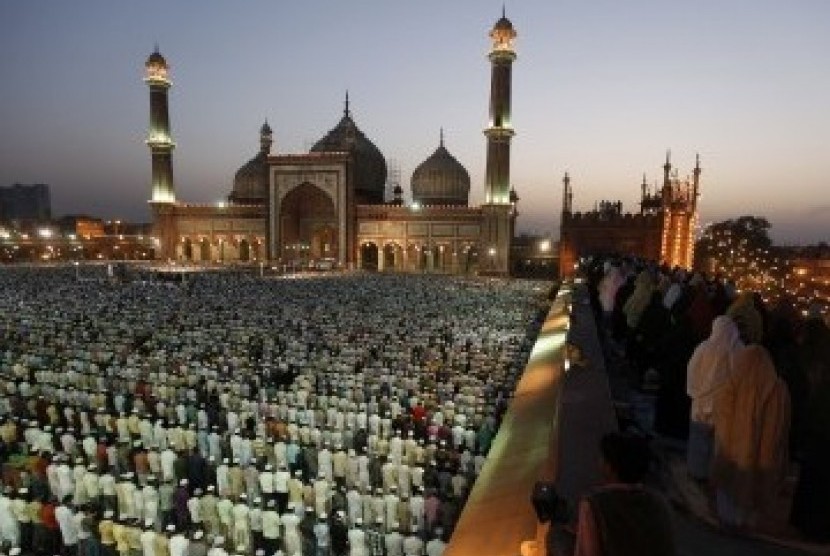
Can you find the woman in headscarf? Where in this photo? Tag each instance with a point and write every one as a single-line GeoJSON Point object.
{"type": "Point", "coordinates": [639, 300]}
{"type": "Point", "coordinates": [752, 423]}
{"type": "Point", "coordinates": [747, 318]}
{"type": "Point", "coordinates": [709, 368]}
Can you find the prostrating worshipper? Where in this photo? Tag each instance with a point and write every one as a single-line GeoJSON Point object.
{"type": "Point", "coordinates": [752, 421]}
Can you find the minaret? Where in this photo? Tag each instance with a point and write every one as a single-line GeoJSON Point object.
{"type": "Point", "coordinates": [500, 130]}
{"type": "Point", "coordinates": [696, 182]}
{"type": "Point", "coordinates": [266, 138]}
{"type": "Point", "coordinates": [567, 194]}
{"type": "Point", "coordinates": [498, 225]}
{"type": "Point", "coordinates": [158, 137]}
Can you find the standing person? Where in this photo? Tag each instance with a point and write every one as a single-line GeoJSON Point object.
{"type": "Point", "coordinates": [339, 534]}
{"type": "Point", "coordinates": [321, 536]}
{"type": "Point", "coordinates": [393, 541]}
{"type": "Point", "coordinates": [68, 527]}
{"type": "Point", "coordinates": [148, 540]}
{"type": "Point", "coordinates": [105, 530]}
{"type": "Point", "coordinates": [413, 545]}
{"type": "Point", "coordinates": [708, 370]}
{"type": "Point", "coordinates": [752, 421]}
{"type": "Point", "coordinates": [811, 504]}
{"type": "Point", "coordinates": [197, 545]}
{"type": "Point", "coordinates": [270, 528]}
{"type": "Point", "coordinates": [178, 544]}
{"type": "Point", "coordinates": [357, 539]}
{"type": "Point", "coordinates": [436, 546]}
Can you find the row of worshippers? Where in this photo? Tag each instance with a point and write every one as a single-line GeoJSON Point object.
{"type": "Point", "coordinates": [49, 527]}
{"type": "Point", "coordinates": [196, 407]}
{"type": "Point", "coordinates": [750, 384]}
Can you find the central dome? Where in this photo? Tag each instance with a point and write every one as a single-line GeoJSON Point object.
{"type": "Point", "coordinates": [441, 180]}
{"type": "Point", "coordinates": [369, 165]}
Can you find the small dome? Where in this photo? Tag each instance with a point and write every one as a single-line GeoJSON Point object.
{"type": "Point", "coordinates": [369, 165]}
{"type": "Point", "coordinates": [503, 24]}
{"type": "Point", "coordinates": [156, 60]}
{"type": "Point", "coordinates": [250, 184]}
{"type": "Point", "coordinates": [441, 180]}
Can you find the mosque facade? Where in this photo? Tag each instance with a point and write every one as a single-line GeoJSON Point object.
{"type": "Point", "coordinates": [328, 206]}
{"type": "Point", "coordinates": [663, 230]}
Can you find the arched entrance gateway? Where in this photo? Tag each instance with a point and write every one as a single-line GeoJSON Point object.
{"type": "Point", "coordinates": [307, 226]}
{"type": "Point", "coordinates": [369, 256]}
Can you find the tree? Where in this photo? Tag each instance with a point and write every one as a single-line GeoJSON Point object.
{"type": "Point", "coordinates": [741, 250]}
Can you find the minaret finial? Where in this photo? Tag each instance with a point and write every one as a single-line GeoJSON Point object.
{"type": "Point", "coordinates": [441, 137]}
{"type": "Point", "coordinates": [697, 160]}
{"type": "Point", "coordinates": [346, 112]}
{"type": "Point", "coordinates": [503, 11]}
{"type": "Point", "coordinates": [668, 156]}
{"type": "Point", "coordinates": [156, 47]}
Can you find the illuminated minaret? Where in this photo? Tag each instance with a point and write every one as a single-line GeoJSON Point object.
{"type": "Point", "coordinates": [158, 137]}
{"type": "Point", "coordinates": [500, 130]}
{"type": "Point", "coordinates": [498, 209]}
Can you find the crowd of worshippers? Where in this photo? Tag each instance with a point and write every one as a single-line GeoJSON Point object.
{"type": "Point", "coordinates": [746, 383]}
{"type": "Point", "coordinates": [236, 415]}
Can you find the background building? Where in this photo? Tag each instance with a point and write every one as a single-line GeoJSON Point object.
{"type": "Point", "coordinates": [663, 230]}
{"type": "Point", "coordinates": [25, 203]}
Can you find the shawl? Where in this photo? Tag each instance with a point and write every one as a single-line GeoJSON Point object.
{"type": "Point", "coordinates": [747, 317]}
{"type": "Point", "coordinates": [752, 422]}
{"type": "Point", "coordinates": [710, 367]}
{"type": "Point", "coordinates": [608, 287]}
{"type": "Point", "coordinates": [639, 299]}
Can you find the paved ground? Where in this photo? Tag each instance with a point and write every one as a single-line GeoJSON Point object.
{"type": "Point", "coordinates": [697, 539]}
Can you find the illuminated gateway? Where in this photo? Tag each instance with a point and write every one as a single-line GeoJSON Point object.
{"type": "Point", "coordinates": [663, 230]}
{"type": "Point", "coordinates": [329, 205]}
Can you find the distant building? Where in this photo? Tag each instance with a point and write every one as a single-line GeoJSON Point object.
{"type": "Point", "coordinates": [533, 256]}
{"type": "Point", "coordinates": [663, 230]}
{"type": "Point", "coordinates": [83, 226]}
{"type": "Point", "coordinates": [25, 202]}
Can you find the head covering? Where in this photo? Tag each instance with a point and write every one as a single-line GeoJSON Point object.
{"type": "Point", "coordinates": [710, 366]}
{"type": "Point", "coordinates": [747, 318]}
{"type": "Point", "coordinates": [639, 299]}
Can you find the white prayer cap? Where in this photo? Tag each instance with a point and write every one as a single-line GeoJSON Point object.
{"type": "Point", "coordinates": [198, 535]}
{"type": "Point", "coordinates": [219, 540]}
{"type": "Point", "coordinates": [171, 528]}
{"type": "Point", "coordinates": [108, 514]}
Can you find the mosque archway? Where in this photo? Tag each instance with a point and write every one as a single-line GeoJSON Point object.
{"type": "Point", "coordinates": [244, 250]}
{"type": "Point", "coordinates": [187, 249]}
{"type": "Point", "coordinates": [391, 257]}
{"type": "Point", "coordinates": [204, 250]}
{"type": "Point", "coordinates": [369, 256]}
{"type": "Point", "coordinates": [308, 225]}
{"type": "Point", "coordinates": [468, 259]}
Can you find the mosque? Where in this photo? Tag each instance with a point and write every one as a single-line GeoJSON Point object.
{"type": "Point", "coordinates": [328, 206]}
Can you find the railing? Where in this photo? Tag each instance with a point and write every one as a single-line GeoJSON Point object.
{"type": "Point", "coordinates": [498, 516]}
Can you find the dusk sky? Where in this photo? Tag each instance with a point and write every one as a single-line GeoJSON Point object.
{"type": "Point", "coordinates": [601, 89]}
